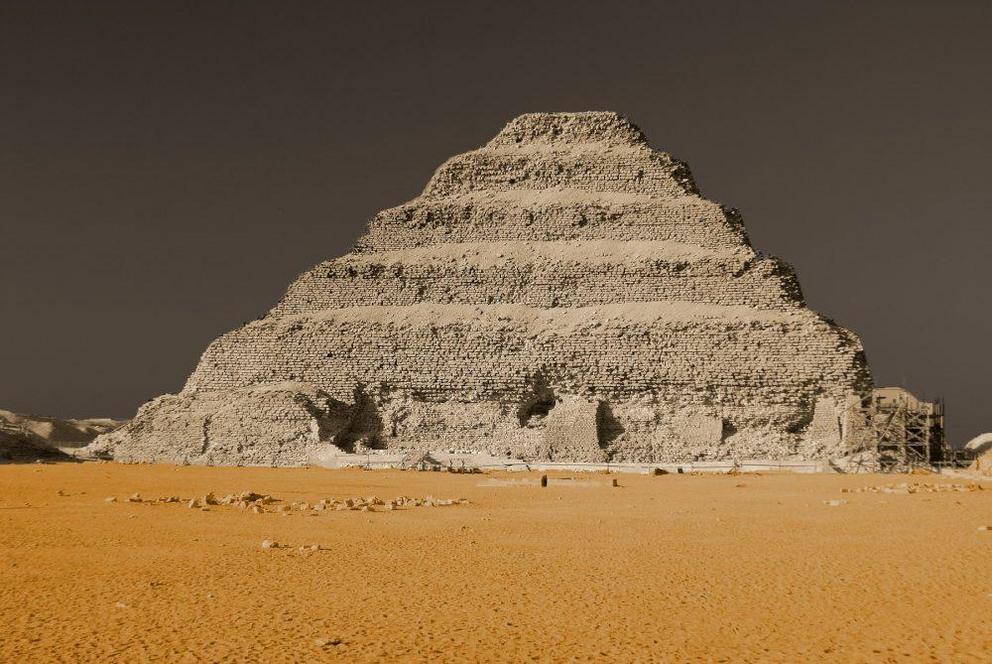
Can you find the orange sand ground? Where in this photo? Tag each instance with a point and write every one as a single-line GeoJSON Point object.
{"type": "Point", "coordinates": [671, 568]}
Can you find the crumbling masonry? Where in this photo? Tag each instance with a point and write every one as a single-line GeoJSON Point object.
{"type": "Point", "coordinates": [562, 293]}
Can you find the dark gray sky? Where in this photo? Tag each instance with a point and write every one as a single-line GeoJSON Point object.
{"type": "Point", "coordinates": [167, 168]}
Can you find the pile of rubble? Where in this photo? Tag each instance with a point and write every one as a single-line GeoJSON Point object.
{"type": "Point", "coordinates": [906, 488]}
{"type": "Point", "coordinates": [258, 503]}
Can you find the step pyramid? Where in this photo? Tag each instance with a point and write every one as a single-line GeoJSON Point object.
{"type": "Point", "coordinates": [562, 293]}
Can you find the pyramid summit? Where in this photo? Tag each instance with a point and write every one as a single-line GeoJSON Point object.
{"type": "Point", "coordinates": [561, 293]}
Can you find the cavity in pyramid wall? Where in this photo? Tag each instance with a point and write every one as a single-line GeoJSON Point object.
{"type": "Point", "coordinates": [562, 293]}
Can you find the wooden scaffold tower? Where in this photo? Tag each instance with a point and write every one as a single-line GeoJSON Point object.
{"type": "Point", "coordinates": [902, 431]}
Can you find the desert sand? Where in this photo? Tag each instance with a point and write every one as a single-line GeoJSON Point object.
{"type": "Point", "coordinates": [668, 568]}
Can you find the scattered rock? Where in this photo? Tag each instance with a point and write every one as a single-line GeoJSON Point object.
{"type": "Point", "coordinates": [906, 488]}
{"type": "Point", "coordinates": [110, 499]}
{"type": "Point", "coordinates": [270, 544]}
{"type": "Point", "coordinates": [834, 503]}
{"type": "Point", "coordinates": [254, 502]}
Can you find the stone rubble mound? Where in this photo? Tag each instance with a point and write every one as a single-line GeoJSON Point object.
{"type": "Point", "coordinates": [562, 293]}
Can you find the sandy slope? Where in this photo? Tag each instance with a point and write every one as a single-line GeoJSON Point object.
{"type": "Point", "coordinates": [670, 568]}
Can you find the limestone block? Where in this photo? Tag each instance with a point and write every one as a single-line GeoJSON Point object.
{"type": "Point", "coordinates": [824, 431]}
{"type": "Point", "coordinates": [571, 431]}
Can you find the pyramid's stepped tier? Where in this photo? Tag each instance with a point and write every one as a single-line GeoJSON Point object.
{"type": "Point", "coordinates": [469, 375]}
{"type": "Point", "coordinates": [550, 215]}
{"type": "Point", "coordinates": [593, 152]}
{"type": "Point", "coordinates": [588, 128]}
{"type": "Point", "coordinates": [683, 353]}
{"type": "Point", "coordinates": [596, 169]}
{"type": "Point", "coordinates": [563, 292]}
{"type": "Point", "coordinates": [545, 274]}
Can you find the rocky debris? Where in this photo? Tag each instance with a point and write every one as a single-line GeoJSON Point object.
{"type": "Point", "coordinates": [110, 499]}
{"type": "Point", "coordinates": [465, 470]}
{"type": "Point", "coordinates": [303, 549]}
{"type": "Point", "coordinates": [323, 643]}
{"type": "Point", "coordinates": [258, 503]}
{"type": "Point", "coordinates": [834, 503]}
{"type": "Point", "coordinates": [984, 528]}
{"type": "Point", "coordinates": [907, 488]}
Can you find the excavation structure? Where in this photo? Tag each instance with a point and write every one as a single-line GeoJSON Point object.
{"type": "Point", "coordinates": [562, 293]}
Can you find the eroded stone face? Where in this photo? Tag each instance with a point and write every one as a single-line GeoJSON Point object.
{"type": "Point", "coordinates": [562, 293]}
